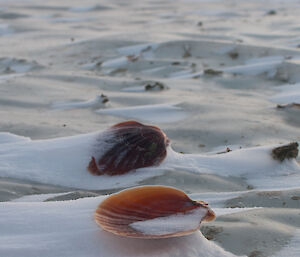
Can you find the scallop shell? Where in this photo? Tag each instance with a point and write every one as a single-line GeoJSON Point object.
{"type": "Point", "coordinates": [151, 212]}
{"type": "Point", "coordinates": [128, 146]}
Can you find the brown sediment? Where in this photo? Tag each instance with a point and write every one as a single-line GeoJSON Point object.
{"type": "Point", "coordinates": [289, 151]}
{"type": "Point", "coordinates": [211, 231]}
{"type": "Point", "coordinates": [212, 72]}
{"type": "Point", "coordinates": [233, 55]}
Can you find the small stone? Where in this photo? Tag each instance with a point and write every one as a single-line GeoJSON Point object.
{"type": "Point", "coordinates": [271, 12]}
{"type": "Point", "coordinates": [234, 55]}
{"type": "Point", "coordinates": [104, 98]}
{"type": "Point", "coordinates": [154, 86]}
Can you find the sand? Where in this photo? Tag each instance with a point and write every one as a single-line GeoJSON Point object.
{"type": "Point", "coordinates": [211, 74]}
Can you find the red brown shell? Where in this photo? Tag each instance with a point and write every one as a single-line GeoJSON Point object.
{"type": "Point", "coordinates": [118, 211]}
{"type": "Point", "coordinates": [128, 146]}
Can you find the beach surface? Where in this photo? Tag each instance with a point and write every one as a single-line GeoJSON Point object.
{"type": "Point", "coordinates": [220, 78]}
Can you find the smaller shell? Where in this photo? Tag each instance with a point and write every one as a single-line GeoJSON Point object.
{"type": "Point", "coordinates": [152, 212]}
{"type": "Point", "coordinates": [127, 146]}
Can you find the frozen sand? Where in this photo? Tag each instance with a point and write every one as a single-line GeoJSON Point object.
{"type": "Point", "coordinates": [72, 52]}
{"type": "Point", "coordinates": [64, 162]}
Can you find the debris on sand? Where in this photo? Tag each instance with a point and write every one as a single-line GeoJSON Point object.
{"type": "Point", "coordinates": [155, 86]}
{"type": "Point", "coordinates": [212, 72]}
{"type": "Point", "coordinates": [285, 152]}
{"type": "Point", "coordinates": [292, 105]}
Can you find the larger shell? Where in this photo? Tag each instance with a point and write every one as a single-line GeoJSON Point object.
{"type": "Point", "coordinates": [152, 212]}
{"type": "Point", "coordinates": [128, 146]}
